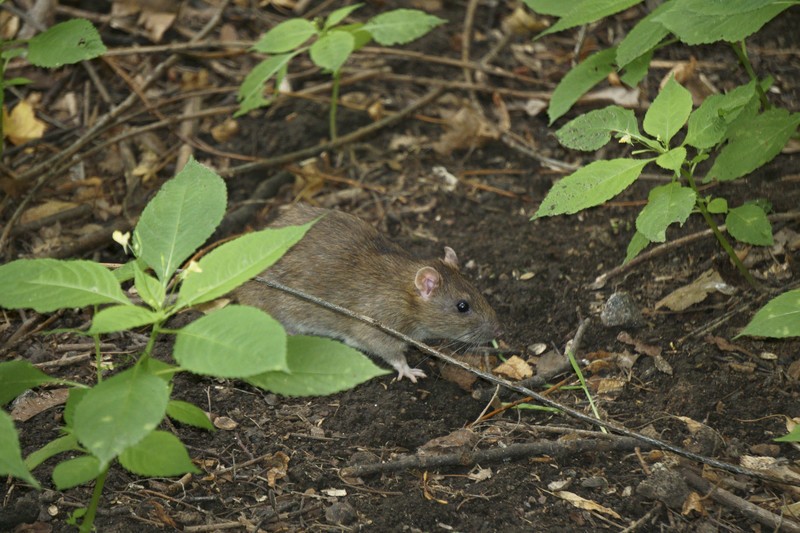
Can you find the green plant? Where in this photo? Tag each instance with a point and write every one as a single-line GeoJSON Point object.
{"type": "Point", "coordinates": [741, 130]}
{"type": "Point", "coordinates": [333, 44]}
{"type": "Point", "coordinates": [118, 417]}
{"type": "Point", "coordinates": [65, 43]}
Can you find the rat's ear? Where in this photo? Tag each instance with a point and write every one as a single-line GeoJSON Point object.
{"type": "Point", "coordinates": [450, 257]}
{"type": "Point", "coordinates": [426, 281]}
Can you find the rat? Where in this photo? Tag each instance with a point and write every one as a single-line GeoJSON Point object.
{"type": "Point", "coordinates": [346, 261]}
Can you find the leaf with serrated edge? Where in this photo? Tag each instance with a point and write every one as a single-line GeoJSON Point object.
{"type": "Point", "coordinates": [235, 262]}
{"type": "Point", "coordinates": [234, 342]}
{"type": "Point", "coordinates": [779, 318]}
{"type": "Point", "coordinates": [593, 130]}
{"type": "Point", "coordinates": [332, 50]}
{"type": "Point", "coordinates": [19, 376]}
{"type": "Point", "coordinates": [644, 36]}
{"type": "Point", "coordinates": [673, 159]}
{"type": "Point", "coordinates": [318, 367]}
{"type": "Point", "coordinates": [159, 454]}
{"type": "Point", "coordinates": [754, 143]}
{"type": "Point", "coordinates": [77, 471]}
{"type": "Point", "coordinates": [49, 284]}
{"type": "Point", "coordinates": [251, 91]}
{"type": "Point", "coordinates": [668, 112]}
{"type": "Point", "coordinates": [590, 186]}
{"type": "Point", "coordinates": [285, 37]}
{"type": "Point", "coordinates": [579, 80]}
{"type": "Point", "coordinates": [11, 463]}
{"type": "Point", "coordinates": [180, 218]}
{"type": "Point", "coordinates": [638, 243]}
{"type": "Point", "coordinates": [585, 11]}
{"type": "Point", "coordinates": [188, 413]}
{"type": "Point", "coordinates": [340, 14]}
{"type": "Point", "coordinates": [119, 412]}
{"type": "Point", "coordinates": [65, 43]}
{"type": "Point", "coordinates": [666, 205]}
{"type": "Point", "coordinates": [121, 318]}
{"type": "Point", "coordinates": [401, 26]}
{"type": "Point", "coordinates": [749, 223]}
{"type": "Point", "coordinates": [708, 124]}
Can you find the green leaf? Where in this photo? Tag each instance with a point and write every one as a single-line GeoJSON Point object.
{"type": "Point", "coordinates": [579, 80]}
{"type": "Point", "coordinates": [285, 37]}
{"type": "Point", "coordinates": [593, 130]}
{"type": "Point", "coordinates": [234, 342]}
{"type": "Point", "coordinates": [585, 11]}
{"type": "Point", "coordinates": [11, 463]}
{"type": "Point", "coordinates": [638, 243]}
{"type": "Point", "coordinates": [754, 143]}
{"type": "Point", "coordinates": [17, 81]}
{"type": "Point", "coordinates": [317, 367]}
{"type": "Point", "coordinates": [74, 472]}
{"type": "Point", "coordinates": [361, 37]}
{"type": "Point", "coordinates": [707, 21]}
{"type": "Point", "coordinates": [555, 8]}
{"type": "Point", "coordinates": [19, 376]}
{"type": "Point", "coordinates": [235, 262]}
{"type": "Point", "coordinates": [251, 92]}
{"type": "Point", "coordinates": [673, 159]}
{"type": "Point", "coordinates": [65, 443]}
{"type": "Point", "coordinates": [331, 50]}
{"type": "Point", "coordinates": [180, 218]}
{"type": "Point", "coordinates": [190, 414]}
{"type": "Point", "coordinates": [666, 204]}
{"type": "Point", "coordinates": [401, 26]}
{"type": "Point", "coordinates": [668, 112]}
{"type": "Point", "coordinates": [121, 318]}
{"type": "Point", "coordinates": [65, 43]}
{"type": "Point", "coordinates": [643, 37]}
{"type": "Point", "coordinates": [150, 290]}
{"type": "Point", "coordinates": [159, 454]}
{"type": "Point", "coordinates": [749, 223]}
{"type": "Point", "coordinates": [636, 70]}
{"type": "Point", "coordinates": [119, 412]}
{"type": "Point", "coordinates": [49, 284]}
{"type": "Point", "coordinates": [708, 124]}
{"type": "Point", "coordinates": [717, 206]}
{"type": "Point", "coordinates": [126, 271]}
{"type": "Point", "coordinates": [339, 15]}
{"type": "Point", "coordinates": [589, 186]}
{"type": "Point", "coordinates": [792, 436]}
{"type": "Point", "coordinates": [779, 319]}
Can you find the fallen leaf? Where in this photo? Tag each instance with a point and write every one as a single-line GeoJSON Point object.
{"type": "Point", "coordinates": [32, 404]}
{"type": "Point", "coordinates": [225, 131]}
{"type": "Point", "coordinates": [466, 129]}
{"type": "Point", "coordinates": [514, 368]}
{"type": "Point", "coordinates": [480, 474]}
{"type": "Point", "coordinates": [49, 208]}
{"type": "Point", "coordinates": [695, 292]}
{"type": "Point", "coordinates": [277, 465]}
{"type": "Point", "coordinates": [639, 346]}
{"type": "Point", "coordinates": [622, 96]}
{"type": "Point", "coordinates": [587, 505]}
{"type": "Point", "coordinates": [225, 423]}
{"type": "Point", "coordinates": [21, 125]}
{"type": "Point", "coordinates": [693, 504]}
{"type": "Point", "coordinates": [455, 442]}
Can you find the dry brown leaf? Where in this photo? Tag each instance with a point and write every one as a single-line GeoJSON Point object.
{"type": "Point", "coordinates": [225, 423]}
{"type": "Point", "coordinates": [587, 505]}
{"type": "Point", "coordinates": [9, 26]}
{"type": "Point", "coordinates": [639, 346]}
{"type": "Point", "coordinates": [515, 367]}
{"type": "Point", "coordinates": [466, 129]}
{"type": "Point", "coordinates": [33, 404]}
{"type": "Point", "coordinates": [460, 440]}
{"type": "Point", "coordinates": [523, 21]}
{"type": "Point", "coordinates": [794, 370]}
{"type": "Point", "coordinates": [21, 125]}
{"type": "Point", "coordinates": [156, 23]}
{"type": "Point", "coordinates": [463, 378]}
{"type": "Point", "coordinates": [226, 131]}
{"type": "Point", "coordinates": [610, 387]}
{"type": "Point", "coordinates": [277, 465]}
{"type": "Point", "coordinates": [49, 208]}
{"type": "Point", "coordinates": [695, 292]}
{"type": "Point", "coordinates": [693, 504]}
{"type": "Point", "coordinates": [622, 96]}
{"type": "Point", "coordinates": [480, 474]}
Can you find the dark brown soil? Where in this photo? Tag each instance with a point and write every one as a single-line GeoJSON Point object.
{"type": "Point", "coordinates": [535, 274]}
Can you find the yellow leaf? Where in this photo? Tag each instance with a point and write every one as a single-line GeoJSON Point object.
{"type": "Point", "coordinates": [22, 125]}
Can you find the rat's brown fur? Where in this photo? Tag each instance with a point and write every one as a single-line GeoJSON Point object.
{"type": "Point", "coordinates": [345, 261]}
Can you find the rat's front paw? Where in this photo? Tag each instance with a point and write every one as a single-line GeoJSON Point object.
{"type": "Point", "coordinates": [403, 370]}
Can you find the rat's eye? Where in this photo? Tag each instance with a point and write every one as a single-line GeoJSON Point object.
{"type": "Point", "coordinates": [462, 306]}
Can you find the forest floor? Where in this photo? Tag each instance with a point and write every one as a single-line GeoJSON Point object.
{"type": "Point", "coordinates": [277, 463]}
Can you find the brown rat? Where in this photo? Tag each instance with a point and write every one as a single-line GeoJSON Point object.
{"type": "Point", "coordinates": [345, 261]}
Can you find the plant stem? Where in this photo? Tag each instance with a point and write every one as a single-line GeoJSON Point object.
{"type": "Point", "coordinates": [718, 234]}
{"type": "Point", "coordinates": [334, 103]}
{"type": "Point", "coordinates": [98, 355]}
{"type": "Point", "coordinates": [741, 52]}
{"type": "Point", "coordinates": [91, 511]}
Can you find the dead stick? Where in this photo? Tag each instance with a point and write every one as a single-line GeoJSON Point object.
{"type": "Point", "coordinates": [525, 391]}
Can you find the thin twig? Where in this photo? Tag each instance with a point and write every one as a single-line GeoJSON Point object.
{"type": "Point", "coordinates": [612, 426]}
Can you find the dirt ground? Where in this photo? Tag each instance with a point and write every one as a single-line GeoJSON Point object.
{"type": "Point", "coordinates": [278, 465]}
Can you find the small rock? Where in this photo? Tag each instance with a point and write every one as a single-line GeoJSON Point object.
{"type": "Point", "coordinates": [621, 310]}
{"type": "Point", "coordinates": [341, 513]}
{"type": "Point", "coordinates": [24, 510]}
{"type": "Point", "coordinates": [665, 486]}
